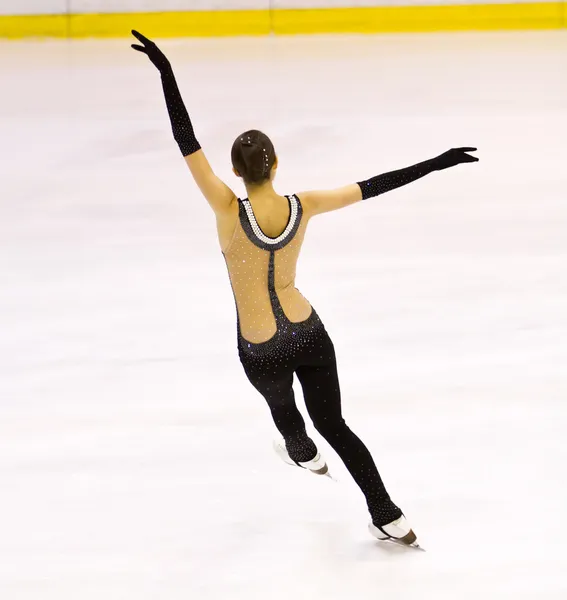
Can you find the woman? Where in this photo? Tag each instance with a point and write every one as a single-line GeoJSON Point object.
{"type": "Point", "coordinates": [279, 333]}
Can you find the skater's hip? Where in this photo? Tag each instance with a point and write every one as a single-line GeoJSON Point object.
{"type": "Point", "coordinates": [288, 339]}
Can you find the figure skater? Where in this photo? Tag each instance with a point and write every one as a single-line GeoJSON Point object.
{"type": "Point", "coordinates": [279, 333]}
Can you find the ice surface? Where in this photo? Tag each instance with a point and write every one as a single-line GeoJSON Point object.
{"type": "Point", "coordinates": [135, 459]}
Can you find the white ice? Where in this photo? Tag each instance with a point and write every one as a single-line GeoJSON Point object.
{"type": "Point", "coordinates": [135, 459]}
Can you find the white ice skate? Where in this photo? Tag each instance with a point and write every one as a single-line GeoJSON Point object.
{"type": "Point", "coordinates": [398, 532]}
{"type": "Point", "coordinates": [317, 465]}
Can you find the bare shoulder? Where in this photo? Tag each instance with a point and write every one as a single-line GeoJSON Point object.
{"type": "Point", "coordinates": [319, 201]}
{"type": "Point", "coordinates": [308, 201]}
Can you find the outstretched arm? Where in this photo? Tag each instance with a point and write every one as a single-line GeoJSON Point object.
{"type": "Point", "coordinates": [325, 201]}
{"type": "Point", "coordinates": [217, 193]}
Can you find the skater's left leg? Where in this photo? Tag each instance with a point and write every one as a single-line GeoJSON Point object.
{"type": "Point", "coordinates": [277, 389]}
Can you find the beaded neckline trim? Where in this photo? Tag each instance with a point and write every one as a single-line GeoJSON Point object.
{"type": "Point", "coordinates": [294, 211]}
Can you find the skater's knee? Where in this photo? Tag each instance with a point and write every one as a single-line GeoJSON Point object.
{"type": "Point", "coordinates": [331, 428]}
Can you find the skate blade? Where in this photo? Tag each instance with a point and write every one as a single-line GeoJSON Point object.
{"type": "Point", "coordinates": [320, 474]}
{"type": "Point", "coordinates": [323, 471]}
{"type": "Point", "coordinates": [414, 546]}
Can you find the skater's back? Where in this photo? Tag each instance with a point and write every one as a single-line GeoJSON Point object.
{"type": "Point", "coordinates": [262, 259]}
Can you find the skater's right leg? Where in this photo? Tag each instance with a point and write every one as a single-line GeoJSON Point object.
{"type": "Point", "coordinates": [322, 395]}
{"type": "Point", "coordinates": [322, 398]}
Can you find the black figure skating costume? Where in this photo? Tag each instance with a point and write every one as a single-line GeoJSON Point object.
{"type": "Point", "coordinates": [300, 348]}
{"type": "Point", "coordinates": [279, 334]}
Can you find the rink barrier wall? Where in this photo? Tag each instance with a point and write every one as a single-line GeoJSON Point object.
{"type": "Point", "coordinates": [382, 19]}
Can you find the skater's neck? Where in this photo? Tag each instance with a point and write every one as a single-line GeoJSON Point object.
{"type": "Point", "coordinates": [260, 192]}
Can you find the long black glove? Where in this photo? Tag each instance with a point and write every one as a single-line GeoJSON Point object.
{"type": "Point", "coordinates": [180, 121]}
{"type": "Point", "coordinates": [395, 179]}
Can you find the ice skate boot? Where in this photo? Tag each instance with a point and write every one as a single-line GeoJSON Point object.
{"type": "Point", "coordinates": [316, 465]}
{"type": "Point", "coordinates": [398, 532]}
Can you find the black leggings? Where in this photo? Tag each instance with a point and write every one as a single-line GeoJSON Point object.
{"type": "Point", "coordinates": [309, 353]}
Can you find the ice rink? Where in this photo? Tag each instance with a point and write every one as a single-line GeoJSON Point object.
{"type": "Point", "coordinates": [136, 460]}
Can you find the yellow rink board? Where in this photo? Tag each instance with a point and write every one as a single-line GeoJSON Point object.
{"type": "Point", "coordinates": [475, 17]}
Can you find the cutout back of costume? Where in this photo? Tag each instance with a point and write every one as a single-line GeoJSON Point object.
{"type": "Point", "coordinates": [262, 274]}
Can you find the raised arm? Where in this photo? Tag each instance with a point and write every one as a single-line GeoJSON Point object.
{"type": "Point", "coordinates": [217, 193]}
{"type": "Point", "coordinates": [324, 201]}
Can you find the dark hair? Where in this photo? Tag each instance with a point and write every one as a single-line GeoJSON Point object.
{"type": "Point", "coordinates": [253, 156]}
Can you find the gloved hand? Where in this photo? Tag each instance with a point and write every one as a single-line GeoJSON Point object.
{"type": "Point", "coordinates": [395, 179]}
{"type": "Point", "coordinates": [453, 157]}
{"type": "Point", "coordinates": [158, 58]}
{"type": "Point", "coordinates": [180, 122]}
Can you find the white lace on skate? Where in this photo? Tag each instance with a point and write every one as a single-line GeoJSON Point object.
{"type": "Point", "coordinates": [317, 465]}
{"type": "Point", "coordinates": [398, 531]}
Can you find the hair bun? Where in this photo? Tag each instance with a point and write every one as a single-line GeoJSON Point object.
{"type": "Point", "coordinates": [253, 156]}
